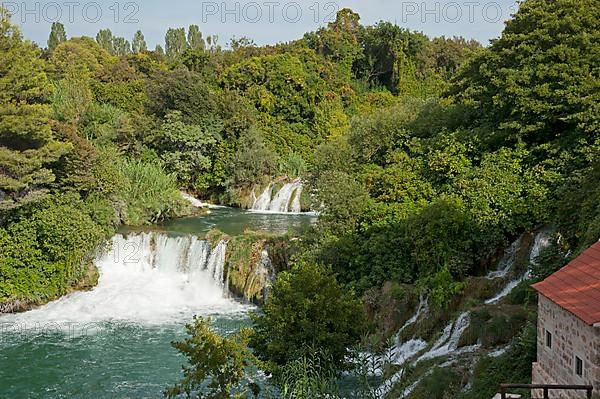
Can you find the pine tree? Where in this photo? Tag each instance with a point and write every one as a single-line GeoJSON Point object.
{"type": "Point", "coordinates": [57, 35]}
{"type": "Point", "coordinates": [139, 42]}
{"type": "Point", "coordinates": [27, 145]}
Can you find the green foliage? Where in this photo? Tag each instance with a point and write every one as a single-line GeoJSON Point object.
{"type": "Point", "coordinates": [514, 366]}
{"type": "Point", "coordinates": [82, 56]}
{"type": "Point", "coordinates": [57, 36]}
{"type": "Point", "coordinates": [150, 192]}
{"type": "Point", "coordinates": [105, 39]}
{"type": "Point", "coordinates": [443, 289]}
{"type": "Point", "coordinates": [438, 384]}
{"type": "Point", "coordinates": [46, 249]}
{"type": "Point", "coordinates": [138, 45]}
{"type": "Point", "coordinates": [307, 313]}
{"type": "Point", "coordinates": [195, 39]}
{"type": "Point", "coordinates": [217, 365]}
{"type": "Point", "coordinates": [252, 161]}
{"type": "Point", "coordinates": [307, 378]}
{"type": "Point", "coordinates": [27, 145]}
{"type": "Point", "coordinates": [175, 43]}
{"type": "Point", "coordinates": [292, 166]}
{"type": "Point", "coordinates": [184, 148]}
{"type": "Point", "coordinates": [71, 98]}
{"type": "Point", "coordinates": [539, 81]}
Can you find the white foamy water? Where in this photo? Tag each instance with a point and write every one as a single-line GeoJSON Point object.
{"type": "Point", "coordinates": [286, 200]}
{"type": "Point", "coordinates": [447, 344]}
{"type": "Point", "coordinates": [542, 240]}
{"type": "Point", "coordinates": [199, 204]}
{"type": "Point", "coordinates": [508, 260]}
{"type": "Point", "coordinates": [144, 278]}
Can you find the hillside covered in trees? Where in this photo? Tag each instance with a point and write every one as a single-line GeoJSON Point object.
{"type": "Point", "coordinates": [424, 157]}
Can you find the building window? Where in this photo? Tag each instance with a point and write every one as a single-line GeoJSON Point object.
{"type": "Point", "coordinates": [548, 339]}
{"type": "Point", "coordinates": [578, 366]}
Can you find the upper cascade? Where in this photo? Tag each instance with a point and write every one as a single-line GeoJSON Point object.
{"type": "Point", "coordinates": [286, 200]}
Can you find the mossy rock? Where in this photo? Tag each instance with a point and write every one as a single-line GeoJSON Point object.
{"type": "Point", "coordinates": [493, 326]}
{"type": "Point", "coordinates": [248, 277]}
{"type": "Point", "coordinates": [442, 383]}
{"type": "Point", "coordinates": [305, 199]}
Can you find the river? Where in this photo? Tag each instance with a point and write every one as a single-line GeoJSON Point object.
{"type": "Point", "coordinates": [114, 341]}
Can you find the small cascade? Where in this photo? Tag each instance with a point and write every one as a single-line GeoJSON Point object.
{"type": "Point", "coordinates": [192, 200]}
{"type": "Point", "coordinates": [296, 205]}
{"type": "Point", "coordinates": [423, 308]}
{"type": "Point", "coordinates": [263, 202]}
{"type": "Point", "coordinates": [508, 260]}
{"type": "Point", "coordinates": [448, 342]}
{"type": "Point", "coordinates": [542, 240]}
{"type": "Point", "coordinates": [286, 200]}
{"type": "Point", "coordinates": [407, 350]}
{"type": "Point", "coordinates": [216, 263]}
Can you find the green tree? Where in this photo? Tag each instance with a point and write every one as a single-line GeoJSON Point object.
{"type": "Point", "coordinates": [308, 314]}
{"type": "Point", "coordinates": [27, 145]}
{"type": "Point", "coordinates": [252, 160]}
{"type": "Point", "coordinates": [138, 44]}
{"type": "Point", "coordinates": [105, 39]}
{"type": "Point", "coordinates": [195, 39]}
{"type": "Point", "coordinates": [540, 80]}
{"type": "Point", "coordinates": [340, 40]}
{"type": "Point", "coordinates": [57, 36]}
{"type": "Point", "coordinates": [121, 46]}
{"type": "Point", "coordinates": [176, 42]}
{"type": "Point", "coordinates": [217, 366]}
{"type": "Point", "coordinates": [184, 148]}
{"type": "Point", "coordinates": [159, 50]}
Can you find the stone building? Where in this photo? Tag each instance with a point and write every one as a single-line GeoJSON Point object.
{"type": "Point", "coordinates": [568, 347]}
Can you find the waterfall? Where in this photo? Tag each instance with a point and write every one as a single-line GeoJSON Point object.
{"type": "Point", "coordinates": [216, 263]}
{"type": "Point", "coordinates": [423, 308]}
{"type": "Point", "coordinates": [448, 342]}
{"type": "Point", "coordinates": [541, 241]}
{"type": "Point", "coordinates": [263, 202]}
{"type": "Point", "coordinates": [148, 278]}
{"type": "Point", "coordinates": [286, 200]}
{"type": "Point", "coordinates": [508, 260]}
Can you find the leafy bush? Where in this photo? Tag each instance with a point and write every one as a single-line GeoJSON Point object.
{"type": "Point", "coordinates": [151, 194]}
{"type": "Point", "coordinates": [307, 313]}
{"type": "Point", "coordinates": [217, 366]}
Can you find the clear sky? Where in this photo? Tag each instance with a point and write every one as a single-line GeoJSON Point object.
{"type": "Point", "coordinates": [264, 21]}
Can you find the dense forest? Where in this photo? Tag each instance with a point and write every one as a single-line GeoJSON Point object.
{"type": "Point", "coordinates": [424, 157]}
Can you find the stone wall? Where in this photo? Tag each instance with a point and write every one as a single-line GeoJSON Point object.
{"type": "Point", "coordinates": [570, 337]}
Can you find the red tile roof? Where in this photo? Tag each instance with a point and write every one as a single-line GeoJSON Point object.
{"type": "Point", "coordinates": [576, 287]}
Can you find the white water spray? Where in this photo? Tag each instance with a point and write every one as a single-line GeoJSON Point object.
{"type": "Point", "coordinates": [542, 240]}
{"type": "Point", "coordinates": [146, 278]}
{"type": "Point", "coordinates": [508, 260]}
{"type": "Point", "coordinates": [286, 200]}
{"type": "Point", "coordinates": [447, 344]}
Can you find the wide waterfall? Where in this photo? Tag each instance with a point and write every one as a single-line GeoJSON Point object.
{"type": "Point", "coordinates": [286, 200]}
{"type": "Point", "coordinates": [148, 278]}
